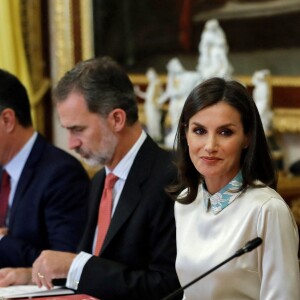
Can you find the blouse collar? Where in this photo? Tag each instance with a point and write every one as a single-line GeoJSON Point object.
{"type": "Point", "coordinates": [226, 195]}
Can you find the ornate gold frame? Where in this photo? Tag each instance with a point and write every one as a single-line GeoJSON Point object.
{"type": "Point", "coordinates": [62, 46]}
{"type": "Point", "coordinates": [61, 20]}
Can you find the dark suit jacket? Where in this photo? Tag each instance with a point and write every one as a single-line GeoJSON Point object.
{"type": "Point", "coordinates": [137, 261]}
{"type": "Point", "coordinates": [49, 207]}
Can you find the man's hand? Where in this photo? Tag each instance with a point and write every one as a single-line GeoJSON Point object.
{"type": "Point", "coordinates": [3, 231]}
{"type": "Point", "coordinates": [15, 276]}
{"type": "Point", "coordinates": [51, 265]}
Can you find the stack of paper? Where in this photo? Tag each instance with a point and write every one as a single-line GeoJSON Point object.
{"type": "Point", "coordinates": [28, 291]}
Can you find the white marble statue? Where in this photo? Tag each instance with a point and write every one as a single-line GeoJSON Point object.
{"type": "Point", "coordinates": [213, 52]}
{"type": "Point", "coordinates": [262, 97]}
{"type": "Point", "coordinates": [152, 109]}
{"type": "Point", "coordinates": [180, 82]}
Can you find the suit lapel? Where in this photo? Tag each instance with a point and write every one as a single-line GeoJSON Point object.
{"type": "Point", "coordinates": [129, 199]}
{"type": "Point", "coordinates": [26, 175]}
{"type": "Point", "coordinates": [95, 195]}
{"type": "Point", "coordinates": [23, 183]}
{"type": "Point", "coordinates": [131, 194]}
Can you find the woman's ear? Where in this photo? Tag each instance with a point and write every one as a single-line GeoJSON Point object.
{"type": "Point", "coordinates": [247, 140]}
{"type": "Point", "coordinates": [117, 119]}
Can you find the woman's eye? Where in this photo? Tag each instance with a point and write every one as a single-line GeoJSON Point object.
{"type": "Point", "coordinates": [199, 130]}
{"type": "Point", "coordinates": [226, 132]}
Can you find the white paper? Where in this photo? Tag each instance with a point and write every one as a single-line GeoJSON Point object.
{"type": "Point", "coordinates": [26, 291]}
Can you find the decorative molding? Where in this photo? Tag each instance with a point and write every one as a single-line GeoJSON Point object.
{"type": "Point", "coordinates": [275, 81]}
{"type": "Point", "coordinates": [248, 9]}
{"type": "Point", "coordinates": [62, 56]}
{"type": "Point", "coordinates": [86, 16]}
{"type": "Point", "coordinates": [61, 36]}
{"type": "Point", "coordinates": [286, 120]}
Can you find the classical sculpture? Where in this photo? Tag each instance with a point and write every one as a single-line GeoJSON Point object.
{"type": "Point", "coordinates": [180, 82]}
{"type": "Point", "coordinates": [152, 109]}
{"type": "Point", "coordinates": [262, 97]}
{"type": "Point", "coordinates": [213, 51]}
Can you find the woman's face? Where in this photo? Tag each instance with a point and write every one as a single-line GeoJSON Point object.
{"type": "Point", "coordinates": [216, 138]}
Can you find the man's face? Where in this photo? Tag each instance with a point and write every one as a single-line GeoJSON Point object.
{"type": "Point", "coordinates": [90, 135]}
{"type": "Point", "coordinates": [8, 144]}
{"type": "Point", "coordinates": [3, 139]}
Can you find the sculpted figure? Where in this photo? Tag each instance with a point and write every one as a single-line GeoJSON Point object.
{"type": "Point", "coordinates": [213, 51]}
{"type": "Point", "coordinates": [151, 107]}
{"type": "Point", "coordinates": [179, 84]}
{"type": "Point", "coordinates": [262, 97]}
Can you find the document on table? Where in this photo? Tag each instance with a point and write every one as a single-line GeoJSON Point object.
{"type": "Point", "coordinates": [28, 291]}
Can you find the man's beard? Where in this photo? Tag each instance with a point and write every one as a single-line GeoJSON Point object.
{"type": "Point", "coordinates": [94, 162]}
{"type": "Point", "coordinates": [101, 157]}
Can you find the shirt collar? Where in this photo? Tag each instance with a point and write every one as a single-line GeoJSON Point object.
{"type": "Point", "coordinates": [226, 195]}
{"type": "Point", "coordinates": [123, 167]}
{"type": "Point", "coordinates": [16, 165]}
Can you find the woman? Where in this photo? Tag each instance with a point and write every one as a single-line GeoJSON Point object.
{"type": "Point", "coordinates": [229, 198]}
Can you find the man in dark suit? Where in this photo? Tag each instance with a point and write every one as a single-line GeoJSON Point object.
{"type": "Point", "coordinates": [47, 203]}
{"type": "Point", "coordinates": [96, 104]}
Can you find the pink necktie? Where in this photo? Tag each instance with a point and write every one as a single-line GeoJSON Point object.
{"type": "Point", "coordinates": [4, 194]}
{"type": "Point", "coordinates": [104, 214]}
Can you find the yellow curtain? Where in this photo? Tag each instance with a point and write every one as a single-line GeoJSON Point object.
{"type": "Point", "coordinates": [12, 51]}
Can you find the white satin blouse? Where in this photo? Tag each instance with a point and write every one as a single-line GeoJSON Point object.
{"type": "Point", "coordinates": [205, 238]}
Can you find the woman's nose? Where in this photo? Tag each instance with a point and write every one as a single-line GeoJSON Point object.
{"type": "Point", "coordinates": [211, 144]}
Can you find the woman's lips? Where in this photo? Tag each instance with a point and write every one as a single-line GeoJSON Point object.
{"type": "Point", "coordinates": [210, 159]}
